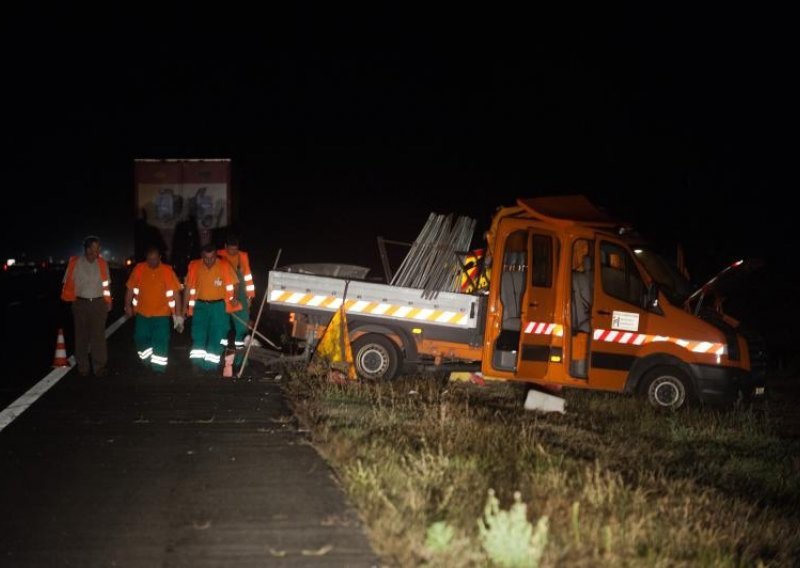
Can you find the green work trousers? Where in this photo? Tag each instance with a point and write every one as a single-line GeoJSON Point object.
{"type": "Point", "coordinates": [210, 324]}
{"type": "Point", "coordinates": [239, 322]}
{"type": "Point", "coordinates": [152, 340]}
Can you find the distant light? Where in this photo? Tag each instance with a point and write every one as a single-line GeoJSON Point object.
{"type": "Point", "coordinates": [11, 262]}
{"type": "Point", "coordinates": [638, 251]}
{"type": "Point", "coordinates": [128, 262]}
{"type": "Point", "coordinates": [738, 263]}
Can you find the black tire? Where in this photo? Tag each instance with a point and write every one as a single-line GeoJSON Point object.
{"type": "Point", "coordinates": [377, 357]}
{"type": "Point", "coordinates": [667, 388]}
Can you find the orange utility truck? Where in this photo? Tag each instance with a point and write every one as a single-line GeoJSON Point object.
{"type": "Point", "coordinates": [574, 300]}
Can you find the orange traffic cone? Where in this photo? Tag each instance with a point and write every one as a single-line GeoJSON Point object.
{"type": "Point", "coordinates": [60, 359]}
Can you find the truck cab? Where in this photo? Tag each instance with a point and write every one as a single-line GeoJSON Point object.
{"type": "Point", "coordinates": [572, 304]}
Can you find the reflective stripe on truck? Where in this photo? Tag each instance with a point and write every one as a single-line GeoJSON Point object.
{"type": "Point", "coordinates": [381, 301]}
{"type": "Point", "coordinates": [629, 338]}
{"type": "Point", "coordinates": [364, 307]}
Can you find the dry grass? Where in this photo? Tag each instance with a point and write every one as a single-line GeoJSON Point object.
{"type": "Point", "coordinates": [620, 483]}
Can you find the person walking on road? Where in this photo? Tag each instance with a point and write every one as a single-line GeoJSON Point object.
{"type": "Point", "coordinates": [212, 293]}
{"type": "Point", "coordinates": [153, 294]}
{"type": "Point", "coordinates": [240, 261]}
{"type": "Point", "coordinates": [87, 287]}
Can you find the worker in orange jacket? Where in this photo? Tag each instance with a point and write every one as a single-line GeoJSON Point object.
{"type": "Point", "coordinates": [153, 294]}
{"type": "Point", "coordinates": [212, 293]}
{"type": "Point", "coordinates": [240, 261]}
{"type": "Point", "coordinates": [87, 287]}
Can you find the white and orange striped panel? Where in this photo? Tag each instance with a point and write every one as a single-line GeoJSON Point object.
{"type": "Point", "coordinates": [632, 338]}
{"type": "Point", "coordinates": [544, 328]}
{"type": "Point", "coordinates": [373, 308]}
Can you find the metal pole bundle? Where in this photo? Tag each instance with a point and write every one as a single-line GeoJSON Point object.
{"type": "Point", "coordinates": [432, 264]}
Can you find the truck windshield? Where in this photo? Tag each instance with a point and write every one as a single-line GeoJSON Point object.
{"type": "Point", "coordinates": [674, 285]}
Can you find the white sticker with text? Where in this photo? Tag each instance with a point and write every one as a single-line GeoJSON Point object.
{"type": "Point", "coordinates": [626, 321]}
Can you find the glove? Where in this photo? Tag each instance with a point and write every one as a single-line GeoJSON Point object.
{"type": "Point", "coordinates": [177, 323]}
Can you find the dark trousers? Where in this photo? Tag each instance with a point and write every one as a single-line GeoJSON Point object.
{"type": "Point", "coordinates": [90, 334]}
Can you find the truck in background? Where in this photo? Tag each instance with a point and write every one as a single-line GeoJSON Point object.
{"type": "Point", "coordinates": [574, 300]}
{"type": "Point", "coordinates": [180, 204]}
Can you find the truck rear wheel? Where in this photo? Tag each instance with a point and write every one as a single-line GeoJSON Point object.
{"type": "Point", "coordinates": [667, 388]}
{"type": "Point", "coordinates": [376, 356]}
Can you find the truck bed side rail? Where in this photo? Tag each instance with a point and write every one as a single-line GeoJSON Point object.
{"type": "Point", "coordinates": [293, 291]}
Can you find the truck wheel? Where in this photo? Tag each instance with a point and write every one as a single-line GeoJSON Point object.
{"type": "Point", "coordinates": [376, 357]}
{"type": "Point", "coordinates": [667, 388]}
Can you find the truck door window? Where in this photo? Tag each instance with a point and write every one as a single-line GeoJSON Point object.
{"type": "Point", "coordinates": [512, 284]}
{"type": "Point", "coordinates": [582, 298]}
{"type": "Point", "coordinates": [619, 275]}
{"type": "Point", "coordinates": [542, 272]}
{"type": "Point", "coordinates": [513, 280]}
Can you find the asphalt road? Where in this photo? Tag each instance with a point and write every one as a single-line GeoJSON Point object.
{"type": "Point", "coordinates": [141, 470]}
{"type": "Point", "coordinates": [32, 313]}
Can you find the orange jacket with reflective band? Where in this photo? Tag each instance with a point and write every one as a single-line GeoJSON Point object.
{"type": "Point", "coordinates": [229, 279]}
{"type": "Point", "coordinates": [68, 291]}
{"type": "Point", "coordinates": [156, 305]}
{"type": "Point", "coordinates": [244, 268]}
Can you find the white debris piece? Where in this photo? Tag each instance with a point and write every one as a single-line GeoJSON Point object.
{"type": "Point", "coordinates": [543, 402]}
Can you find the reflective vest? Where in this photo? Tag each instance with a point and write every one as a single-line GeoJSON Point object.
{"type": "Point", "coordinates": [244, 268]}
{"type": "Point", "coordinates": [68, 291]}
{"type": "Point", "coordinates": [166, 274]}
{"type": "Point", "coordinates": [228, 279]}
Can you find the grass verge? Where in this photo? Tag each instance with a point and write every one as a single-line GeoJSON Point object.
{"type": "Point", "coordinates": [610, 482]}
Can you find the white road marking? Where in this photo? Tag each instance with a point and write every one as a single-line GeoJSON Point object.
{"type": "Point", "coordinates": [13, 410]}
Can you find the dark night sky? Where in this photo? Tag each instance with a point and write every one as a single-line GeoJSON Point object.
{"type": "Point", "coordinates": [341, 129]}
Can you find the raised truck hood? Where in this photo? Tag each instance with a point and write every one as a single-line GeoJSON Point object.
{"type": "Point", "coordinates": [726, 282]}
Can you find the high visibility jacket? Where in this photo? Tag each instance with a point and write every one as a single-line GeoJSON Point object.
{"type": "Point", "coordinates": [171, 284]}
{"type": "Point", "coordinates": [244, 268]}
{"type": "Point", "coordinates": [68, 291]}
{"type": "Point", "coordinates": [229, 279]}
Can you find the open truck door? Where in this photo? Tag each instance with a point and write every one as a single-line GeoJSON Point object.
{"type": "Point", "coordinates": [618, 315]}
{"type": "Point", "coordinates": [540, 337]}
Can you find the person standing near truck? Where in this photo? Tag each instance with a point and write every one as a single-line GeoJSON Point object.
{"type": "Point", "coordinates": [212, 292]}
{"type": "Point", "coordinates": [87, 287]}
{"type": "Point", "coordinates": [153, 295]}
{"type": "Point", "coordinates": [240, 261]}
